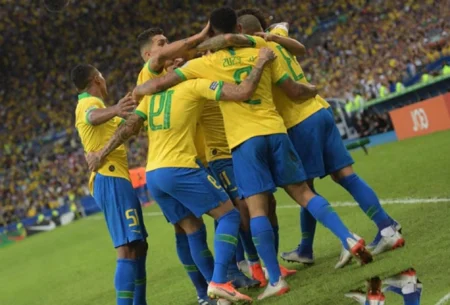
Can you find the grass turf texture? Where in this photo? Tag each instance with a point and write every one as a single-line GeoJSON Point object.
{"type": "Point", "coordinates": [75, 264]}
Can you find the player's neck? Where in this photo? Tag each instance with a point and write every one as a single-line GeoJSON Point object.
{"type": "Point", "coordinates": [94, 91]}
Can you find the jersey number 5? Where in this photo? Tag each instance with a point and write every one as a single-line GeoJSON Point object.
{"type": "Point", "coordinates": [131, 214]}
{"type": "Point", "coordinates": [161, 108]}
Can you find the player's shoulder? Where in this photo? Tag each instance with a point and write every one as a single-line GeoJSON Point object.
{"type": "Point", "coordinates": [280, 29]}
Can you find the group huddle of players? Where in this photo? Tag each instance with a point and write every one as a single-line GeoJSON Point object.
{"type": "Point", "coordinates": [225, 129]}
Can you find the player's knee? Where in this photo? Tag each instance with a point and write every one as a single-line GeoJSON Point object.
{"type": "Point", "coordinates": [300, 192]}
{"type": "Point", "coordinates": [190, 224]}
{"type": "Point", "coordinates": [178, 229]}
{"type": "Point", "coordinates": [142, 248]}
{"type": "Point", "coordinates": [342, 173]}
{"type": "Point", "coordinates": [128, 251]}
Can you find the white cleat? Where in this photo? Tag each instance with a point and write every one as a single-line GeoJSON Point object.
{"type": "Point", "coordinates": [357, 296]}
{"type": "Point", "coordinates": [243, 267]}
{"type": "Point", "coordinates": [280, 288]}
{"type": "Point", "coordinates": [294, 257]}
{"type": "Point", "coordinates": [344, 259]}
{"type": "Point", "coordinates": [390, 239]}
{"type": "Point", "coordinates": [401, 280]}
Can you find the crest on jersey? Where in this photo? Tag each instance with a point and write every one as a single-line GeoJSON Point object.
{"type": "Point", "coordinates": [214, 85]}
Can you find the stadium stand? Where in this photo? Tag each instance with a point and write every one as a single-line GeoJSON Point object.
{"type": "Point", "coordinates": [41, 155]}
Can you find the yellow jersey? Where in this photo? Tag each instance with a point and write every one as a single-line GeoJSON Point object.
{"type": "Point", "coordinates": [94, 138]}
{"type": "Point", "coordinates": [243, 120]}
{"type": "Point", "coordinates": [172, 117]}
{"type": "Point", "coordinates": [147, 73]}
{"type": "Point", "coordinates": [199, 142]}
{"type": "Point", "coordinates": [293, 113]}
{"type": "Point", "coordinates": [215, 137]}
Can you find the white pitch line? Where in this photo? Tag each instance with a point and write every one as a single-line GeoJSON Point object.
{"type": "Point", "coordinates": [335, 204]}
{"type": "Point", "coordinates": [444, 300]}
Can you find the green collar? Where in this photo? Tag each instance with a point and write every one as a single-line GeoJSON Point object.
{"type": "Point", "coordinates": [86, 95]}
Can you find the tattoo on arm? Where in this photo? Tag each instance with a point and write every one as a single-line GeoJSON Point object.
{"type": "Point", "coordinates": [246, 89]}
{"type": "Point", "coordinates": [125, 131]}
{"type": "Point", "coordinates": [223, 41]}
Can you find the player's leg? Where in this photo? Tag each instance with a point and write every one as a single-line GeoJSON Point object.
{"type": "Point", "coordinates": [255, 184]}
{"type": "Point", "coordinates": [117, 200]}
{"type": "Point", "coordinates": [273, 218]}
{"type": "Point", "coordinates": [222, 170]}
{"type": "Point", "coordinates": [200, 193]}
{"type": "Point", "coordinates": [174, 211]}
{"type": "Point", "coordinates": [288, 172]}
{"type": "Point", "coordinates": [338, 163]}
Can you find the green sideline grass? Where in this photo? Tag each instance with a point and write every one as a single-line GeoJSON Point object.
{"type": "Point", "coordinates": [74, 265]}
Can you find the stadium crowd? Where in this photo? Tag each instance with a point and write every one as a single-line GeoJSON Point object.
{"type": "Point", "coordinates": [353, 46]}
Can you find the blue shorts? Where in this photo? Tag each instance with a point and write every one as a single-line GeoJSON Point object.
{"type": "Point", "coordinates": [318, 143]}
{"type": "Point", "coordinates": [222, 170]}
{"type": "Point", "coordinates": [181, 192]}
{"type": "Point", "coordinates": [262, 163]}
{"type": "Point", "coordinates": [123, 214]}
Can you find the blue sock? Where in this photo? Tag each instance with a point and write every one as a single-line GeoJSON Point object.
{"type": "Point", "coordinates": [140, 283]}
{"type": "Point", "coordinates": [321, 210]}
{"type": "Point", "coordinates": [367, 200]}
{"type": "Point", "coordinates": [124, 281]}
{"type": "Point", "coordinates": [249, 246]}
{"type": "Point", "coordinates": [264, 241]}
{"type": "Point", "coordinates": [240, 256]}
{"type": "Point", "coordinates": [276, 238]}
{"type": "Point", "coordinates": [308, 229]}
{"type": "Point", "coordinates": [201, 254]}
{"type": "Point", "coordinates": [184, 254]}
{"type": "Point", "coordinates": [225, 241]}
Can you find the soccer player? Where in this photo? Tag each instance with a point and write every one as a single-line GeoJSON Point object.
{"type": "Point", "coordinates": [309, 122]}
{"type": "Point", "coordinates": [183, 189]}
{"type": "Point", "coordinates": [110, 184]}
{"type": "Point", "coordinates": [263, 156]}
{"type": "Point", "coordinates": [158, 54]}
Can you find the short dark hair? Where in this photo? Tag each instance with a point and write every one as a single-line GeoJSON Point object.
{"type": "Point", "coordinates": [223, 20]}
{"type": "Point", "coordinates": [255, 12]}
{"type": "Point", "coordinates": [250, 24]}
{"type": "Point", "coordinates": [146, 36]}
{"type": "Point", "coordinates": [81, 75]}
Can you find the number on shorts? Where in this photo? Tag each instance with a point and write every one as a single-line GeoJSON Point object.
{"type": "Point", "coordinates": [288, 58]}
{"type": "Point", "coordinates": [214, 182]}
{"type": "Point", "coordinates": [225, 180]}
{"type": "Point", "coordinates": [165, 103]}
{"type": "Point", "coordinates": [238, 79]}
{"type": "Point", "coordinates": [132, 214]}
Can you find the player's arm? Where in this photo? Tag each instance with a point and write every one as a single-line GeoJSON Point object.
{"type": "Point", "coordinates": [246, 89]}
{"type": "Point", "coordinates": [177, 49]}
{"type": "Point", "coordinates": [297, 91]}
{"type": "Point", "coordinates": [125, 131]}
{"type": "Point", "coordinates": [156, 85]}
{"type": "Point", "coordinates": [293, 46]}
{"type": "Point", "coordinates": [224, 41]}
{"type": "Point", "coordinates": [98, 116]}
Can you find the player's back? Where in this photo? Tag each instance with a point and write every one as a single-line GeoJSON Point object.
{"type": "Point", "coordinates": [172, 117]}
{"type": "Point", "coordinates": [213, 128]}
{"type": "Point", "coordinates": [95, 138]}
{"type": "Point", "coordinates": [243, 120]}
{"type": "Point", "coordinates": [292, 113]}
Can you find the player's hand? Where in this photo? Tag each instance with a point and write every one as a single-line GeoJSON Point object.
{"type": "Point", "coordinates": [265, 36]}
{"type": "Point", "coordinates": [94, 161]}
{"type": "Point", "coordinates": [136, 95]}
{"type": "Point", "coordinates": [266, 55]}
{"type": "Point", "coordinates": [126, 105]}
{"type": "Point", "coordinates": [205, 33]}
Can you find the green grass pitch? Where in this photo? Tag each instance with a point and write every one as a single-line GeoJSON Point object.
{"type": "Point", "coordinates": [74, 265]}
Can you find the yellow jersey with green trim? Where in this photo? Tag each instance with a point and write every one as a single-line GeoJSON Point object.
{"type": "Point", "coordinates": [292, 112]}
{"type": "Point", "coordinates": [213, 127]}
{"type": "Point", "coordinates": [172, 117]}
{"type": "Point", "coordinates": [243, 120]}
{"type": "Point", "coordinates": [199, 143]}
{"type": "Point", "coordinates": [94, 138]}
{"type": "Point", "coordinates": [147, 73]}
